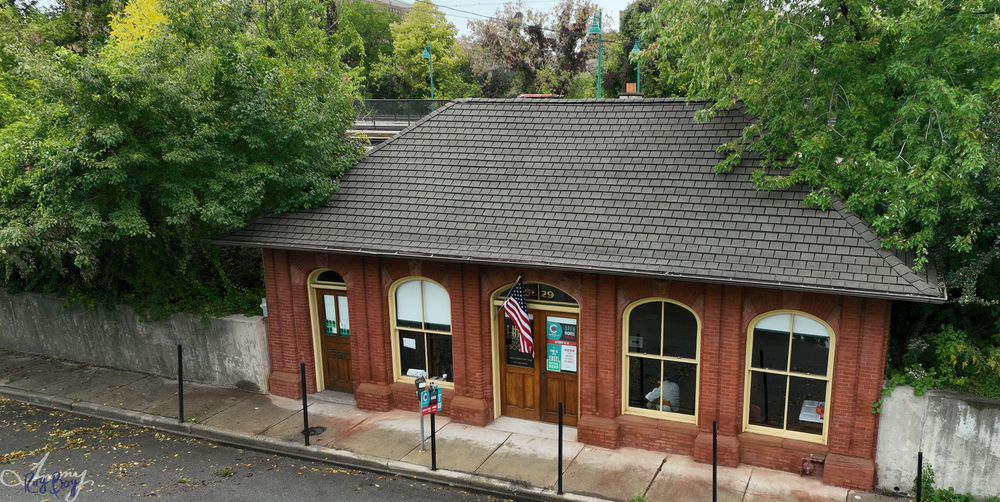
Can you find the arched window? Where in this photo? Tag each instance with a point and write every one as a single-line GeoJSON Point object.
{"type": "Point", "coordinates": [422, 330]}
{"type": "Point", "coordinates": [789, 363]}
{"type": "Point", "coordinates": [661, 359]}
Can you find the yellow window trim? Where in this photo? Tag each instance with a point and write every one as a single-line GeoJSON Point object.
{"type": "Point", "coordinates": [828, 378]}
{"type": "Point", "coordinates": [495, 336]}
{"type": "Point", "coordinates": [643, 412]}
{"type": "Point", "coordinates": [394, 332]}
{"type": "Point", "coordinates": [317, 335]}
{"type": "Point", "coordinates": [325, 285]}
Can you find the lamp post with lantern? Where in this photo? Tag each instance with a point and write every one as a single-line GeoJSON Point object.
{"type": "Point", "coordinates": [430, 60]}
{"type": "Point", "coordinates": [596, 29]}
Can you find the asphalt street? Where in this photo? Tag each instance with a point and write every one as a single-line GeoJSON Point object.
{"type": "Point", "coordinates": [86, 459]}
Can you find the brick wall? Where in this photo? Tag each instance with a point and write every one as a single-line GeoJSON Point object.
{"type": "Point", "coordinates": [724, 313]}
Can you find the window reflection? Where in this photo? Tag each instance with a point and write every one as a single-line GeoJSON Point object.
{"type": "Point", "coordinates": [662, 364]}
{"type": "Point", "coordinates": [423, 326]}
{"type": "Point", "coordinates": [788, 376]}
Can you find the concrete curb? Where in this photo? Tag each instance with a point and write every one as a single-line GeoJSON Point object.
{"type": "Point", "coordinates": [131, 417]}
{"type": "Point", "coordinates": [342, 458]}
{"type": "Point", "coordinates": [32, 397]}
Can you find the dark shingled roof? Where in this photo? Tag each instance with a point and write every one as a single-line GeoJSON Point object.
{"type": "Point", "coordinates": [614, 186]}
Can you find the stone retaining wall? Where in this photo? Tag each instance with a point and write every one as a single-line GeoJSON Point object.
{"type": "Point", "coordinates": [959, 434]}
{"type": "Point", "coordinates": [225, 352]}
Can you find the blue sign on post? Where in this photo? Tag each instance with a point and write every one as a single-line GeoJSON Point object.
{"type": "Point", "coordinates": [431, 401]}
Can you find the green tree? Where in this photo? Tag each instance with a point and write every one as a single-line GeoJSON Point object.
{"type": "Point", "coordinates": [880, 103]}
{"type": "Point", "coordinates": [546, 51]}
{"type": "Point", "coordinates": [371, 22]}
{"type": "Point", "coordinates": [78, 25]}
{"type": "Point", "coordinates": [654, 84]}
{"type": "Point", "coordinates": [405, 74]}
{"type": "Point", "coordinates": [889, 105]}
{"type": "Point", "coordinates": [130, 157]}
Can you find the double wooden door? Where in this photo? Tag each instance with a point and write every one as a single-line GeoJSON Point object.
{"type": "Point", "coordinates": [335, 333]}
{"type": "Point", "coordinates": [533, 385]}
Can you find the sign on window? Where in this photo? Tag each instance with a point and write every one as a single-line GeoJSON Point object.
{"type": "Point", "coordinates": [560, 333]}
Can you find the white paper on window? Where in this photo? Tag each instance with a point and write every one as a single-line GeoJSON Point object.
{"type": "Point", "coordinates": [437, 305]}
{"type": "Point", "coordinates": [568, 358]}
{"type": "Point", "coordinates": [345, 319]}
{"type": "Point", "coordinates": [408, 301]}
{"type": "Point", "coordinates": [330, 308]}
{"type": "Point", "coordinates": [778, 322]}
{"type": "Point", "coordinates": [807, 326]}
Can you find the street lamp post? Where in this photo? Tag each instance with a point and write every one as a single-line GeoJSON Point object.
{"type": "Point", "coordinates": [638, 65]}
{"type": "Point", "coordinates": [427, 55]}
{"type": "Point", "coordinates": [596, 28]}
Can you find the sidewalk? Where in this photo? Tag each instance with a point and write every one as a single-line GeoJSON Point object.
{"type": "Point", "coordinates": [509, 457]}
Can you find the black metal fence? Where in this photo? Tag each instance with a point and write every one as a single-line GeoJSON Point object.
{"type": "Point", "coordinates": [393, 113]}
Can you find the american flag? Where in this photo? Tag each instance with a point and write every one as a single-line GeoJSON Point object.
{"type": "Point", "coordinates": [517, 310]}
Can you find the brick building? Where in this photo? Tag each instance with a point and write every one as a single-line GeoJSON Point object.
{"type": "Point", "coordinates": [663, 296]}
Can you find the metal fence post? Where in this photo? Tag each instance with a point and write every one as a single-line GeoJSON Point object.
{"type": "Point", "coordinates": [920, 475]}
{"type": "Point", "coordinates": [560, 490]}
{"type": "Point", "coordinates": [305, 403]}
{"type": "Point", "coordinates": [180, 384]}
{"type": "Point", "coordinates": [715, 460]}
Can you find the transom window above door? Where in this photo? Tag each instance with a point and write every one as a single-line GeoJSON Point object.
{"type": "Point", "coordinates": [543, 294]}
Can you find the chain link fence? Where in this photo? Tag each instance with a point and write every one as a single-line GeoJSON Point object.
{"type": "Point", "coordinates": [393, 114]}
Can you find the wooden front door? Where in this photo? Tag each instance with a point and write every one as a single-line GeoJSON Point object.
{"type": "Point", "coordinates": [335, 330]}
{"type": "Point", "coordinates": [531, 387]}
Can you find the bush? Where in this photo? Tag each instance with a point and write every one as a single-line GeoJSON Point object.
{"type": "Point", "coordinates": [931, 494]}
{"type": "Point", "coordinates": [947, 358]}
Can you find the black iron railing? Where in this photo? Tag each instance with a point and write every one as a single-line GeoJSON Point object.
{"type": "Point", "coordinates": [393, 113]}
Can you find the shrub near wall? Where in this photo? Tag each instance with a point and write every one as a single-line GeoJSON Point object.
{"type": "Point", "coordinates": [224, 352]}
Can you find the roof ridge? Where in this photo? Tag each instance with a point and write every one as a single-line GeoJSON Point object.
{"type": "Point", "coordinates": [866, 233]}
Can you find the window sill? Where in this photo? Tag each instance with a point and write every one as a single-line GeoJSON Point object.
{"type": "Point", "coordinates": [661, 415]}
{"type": "Point", "coordinates": [405, 380]}
{"type": "Point", "coordinates": [660, 424]}
{"type": "Point", "coordinates": [780, 435]}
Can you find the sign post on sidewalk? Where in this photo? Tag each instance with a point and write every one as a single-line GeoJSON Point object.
{"type": "Point", "coordinates": [421, 390]}
{"type": "Point", "coordinates": [431, 401]}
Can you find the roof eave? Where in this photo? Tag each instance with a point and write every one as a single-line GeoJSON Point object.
{"type": "Point", "coordinates": [605, 270]}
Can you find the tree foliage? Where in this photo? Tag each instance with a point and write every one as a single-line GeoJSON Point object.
{"type": "Point", "coordinates": [546, 51]}
{"type": "Point", "coordinates": [405, 74]}
{"type": "Point", "coordinates": [880, 103]}
{"type": "Point", "coordinates": [892, 106]}
{"type": "Point", "coordinates": [653, 83]}
{"type": "Point", "coordinates": [78, 25]}
{"type": "Point", "coordinates": [115, 165]}
{"type": "Point", "coordinates": [371, 23]}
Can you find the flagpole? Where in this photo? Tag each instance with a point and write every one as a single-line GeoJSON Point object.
{"type": "Point", "coordinates": [496, 314]}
